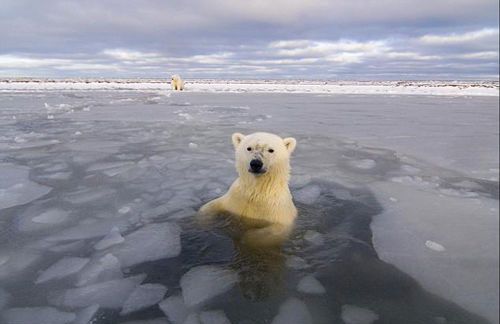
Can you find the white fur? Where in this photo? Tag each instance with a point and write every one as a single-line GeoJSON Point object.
{"type": "Point", "coordinates": [177, 83]}
{"type": "Point", "coordinates": [263, 197]}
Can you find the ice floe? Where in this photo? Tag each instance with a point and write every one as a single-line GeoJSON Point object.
{"type": "Point", "coordinates": [143, 296]}
{"type": "Point", "coordinates": [293, 311]}
{"type": "Point", "coordinates": [36, 315]}
{"type": "Point", "coordinates": [310, 285]}
{"type": "Point", "coordinates": [62, 268]}
{"type": "Point", "coordinates": [356, 315]}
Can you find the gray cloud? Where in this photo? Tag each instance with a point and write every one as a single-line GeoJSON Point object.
{"type": "Point", "coordinates": [251, 39]}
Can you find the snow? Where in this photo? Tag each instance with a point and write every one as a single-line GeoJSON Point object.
{"type": "Point", "coordinates": [149, 243]}
{"type": "Point", "coordinates": [143, 296]}
{"type": "Point", "coordinates": [272, 86]}
{"type": "Point", "coordinates": [36, 315]}
{"type": "Point", "coordinates": [310, 285]}
{"type": "Point", "coordinates": [202, 283]}
{"type": "Point", "coordinates": [108, 294]}
{"type": "Point", "coordinates": [356, 315]}
{"type": "Point", "coordinates": [293, 311]}
{"type": "Point", "coordinates": [114, 237]}
{"type": "Point", "coordinates": [62, 268]}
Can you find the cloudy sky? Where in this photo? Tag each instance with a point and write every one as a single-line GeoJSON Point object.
{"type": "Point", "coordinates": [307, 39]}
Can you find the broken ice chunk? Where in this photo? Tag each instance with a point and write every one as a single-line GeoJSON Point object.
{"type": "Point", "coordinates": [293, 311]}
{"type": "Point", "coordinates": [36, 315]}
{"type": "Point", "coordinates": [314, 237]}
{"type": "Point", "coordinates": [151, 242]}
{"type": "Point", "coordinates": [52, 216]}
{"type": "Point", "coordinates": [109, 294]}
{"type": "Point", "coordinates": [85, 315]}
{"type": "Point", "coordinates": [175, 309]}
{"type": "Point", "coordinates": [214, 317]}
{"type": "Point", "coordinates": [62, 268]}
{"type": "Point", "coordinates": [308, 194]}
{"type": "Point", "coordinates": [356, 315]}
{"type": "Point", "coordinates": [143, 296]}
{"type": "Point", "coordinates": [434, 246]}
{"type": "Point", "coordinates": [310, 285]}
{"type": "Point", "coordinates": [114, 237]}
{"type": "Point", "coordinates": [105, 268]}
{"type": "Point", "coordinates": [202, 283]}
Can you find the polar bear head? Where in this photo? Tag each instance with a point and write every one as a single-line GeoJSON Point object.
{"type": "Point", "coordinates": [263, 154]}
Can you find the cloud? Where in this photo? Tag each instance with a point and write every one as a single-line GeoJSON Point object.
{"type": "Point", "coordinates": [486, 34]}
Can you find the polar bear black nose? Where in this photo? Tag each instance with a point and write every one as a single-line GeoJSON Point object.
{"type": "Point", "coordinates": [256, 165]}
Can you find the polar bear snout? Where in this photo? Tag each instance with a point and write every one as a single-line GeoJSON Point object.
{"type": "Point", "coordinates": [256, 166]}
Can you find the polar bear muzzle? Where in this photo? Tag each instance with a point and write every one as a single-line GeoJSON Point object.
{"type": "Point", "coordinates": [256, 167]}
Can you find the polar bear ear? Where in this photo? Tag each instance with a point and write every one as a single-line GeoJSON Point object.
{"type": "Point", "coordinates": [237, 138]}
{"type": "Point", "coordinates": [290, 144]}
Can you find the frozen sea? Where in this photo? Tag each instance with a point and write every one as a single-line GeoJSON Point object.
{"type": "Point", "coordinates": [397, 197]}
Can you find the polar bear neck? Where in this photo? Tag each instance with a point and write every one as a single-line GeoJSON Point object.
{"type": "Point", "coordinates": [268, 184]}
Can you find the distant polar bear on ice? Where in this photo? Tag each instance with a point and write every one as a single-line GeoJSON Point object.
{"type": "Point", "coordinates": [260, 195]}
{"type": "Point", "coordinates": [177, 83]}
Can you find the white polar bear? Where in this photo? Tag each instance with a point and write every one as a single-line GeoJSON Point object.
{"type": "Point", "coordinates": [177, 83]}
{"type": "Point", "coordinates": [260, 195]}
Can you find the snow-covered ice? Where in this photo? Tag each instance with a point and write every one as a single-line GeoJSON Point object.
{"type": "Point", "coordinates": [202, 283]}
{"type": "Point", "coordinates": [112, 238]}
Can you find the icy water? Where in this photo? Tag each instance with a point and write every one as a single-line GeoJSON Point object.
{"type": "Point", "coordinates": [397, 199]}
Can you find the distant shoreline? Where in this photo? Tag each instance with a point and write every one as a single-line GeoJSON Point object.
{"type": "Point", "coordinates": [417, 87]}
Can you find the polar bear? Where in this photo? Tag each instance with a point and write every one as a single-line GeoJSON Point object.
{"type": "Point", "coordinates": [177, 83]}
{"type": "Point", "coordinates": [260, 195]}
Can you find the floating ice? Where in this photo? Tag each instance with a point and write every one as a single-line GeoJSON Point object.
{"type": "Point", "coordinates": [67, 247]}
{"type": "Point", "coordinates": [208, 317]}
{"type": "Point", "coordinates": [314, 237]}
{"type": "Point", "coordinates": [52, 216]}
{"type": "Point", "coordinates": [143, 296]}
{"type": "Point", "coordinates": [16, 188]}
{"type": "Point", "coordinates": [202, 283]}
{"type": "Point", "coordinates": [150, 321]}
{"type": "Point", "coordinates": [124, 210]}
{"type": "Point", "coordinates": [114, 237]}
{"type": "Point", "coordinates": [33, 220]}
{"type": "Point", "coordinates": [365, 164]}
{"type": "Point", "coordinates": [36, 315]}
{"type": "Point", "coordinates": [85, 315]}
{"type": "Point", "coordinates": [109, 294]}
{"type": "Point", "coordinates": [434, 246]}
{"type": "Point", "coordinates": [356, 315]}
{"type": "Point", "coordinates": [105, 268]}
{"type": "Point", "coordinates": [62, 268]}
{"type": "Point", "coordinates": [14, 262]}
{"type": "Point", "coordinates": [295, 262]}
{"type": "Point", "coordinates": [307, 195]}
{"type": "Point", "coordinates": [293, 311]}
{"type": "Point", "coordinates": [310, 285]}
{"type": "Point", "coordinates": [91, 230]}
{"type": "Point", "coordinates": [93, 196]}
{"type": "Point", "coordinates": [193, 145]}
{"type": "Point", "coordinates": [149, 243]}
{"type": "Point", "coordinates": [175, 309]}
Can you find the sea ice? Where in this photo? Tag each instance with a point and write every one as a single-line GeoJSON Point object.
{"type": "Point", "coordinates": [295, 262]}
{"type": "Point", "coordinates": [149, 243]}
{"type": "Point", "coordinates": [62, 268]}
{"type": "Point", "coordinates": [14, 262]}
{"type": "Point", "coordinates": [202, 283]}
{"type": "Point", "coordinates": [150, 321]}
{"type": "Point", "coordinates": [114, 237]}
{"type": "Point", "coordinates": [356, 315]}
{"type": "Point", "coordinates": [175, 309]}
{"type": "Point", "coordinates": [33, 221]}
{"type": "Point", "coordinates": [36, 315]}
{"type": "Point", "coordinates": [434, 246]}
{"type": "Point", "coordinates": [16, 188]}
{"type": "Point", "coordinates": [85, 315]}
{"type": "Point", "coordinates": [105, 268]}
{"type": "Point", "coordinates": [314, 237]}
{"type": "Point", "coordinates": [208, 317]}
{"type": "Point", "coordinates": [108, 294]}
{"type": "Point", "coordinates": [90, 230]}
{"type": "Point", "coordinates": [293, 311]}
{"type": "Point", "coordinates": [310, 285]}
{"type": "Point", "coordinates": [143, 296]}
{"type": "Point", "coordinates": [307, 195]}
{"type": "Point", "coordinates": [365, 164]}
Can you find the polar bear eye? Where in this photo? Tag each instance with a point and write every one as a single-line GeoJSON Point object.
{"type": "Point", "coordinates": [249, 148]}
{"type": "Point", "coordinates": [270, 150]}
